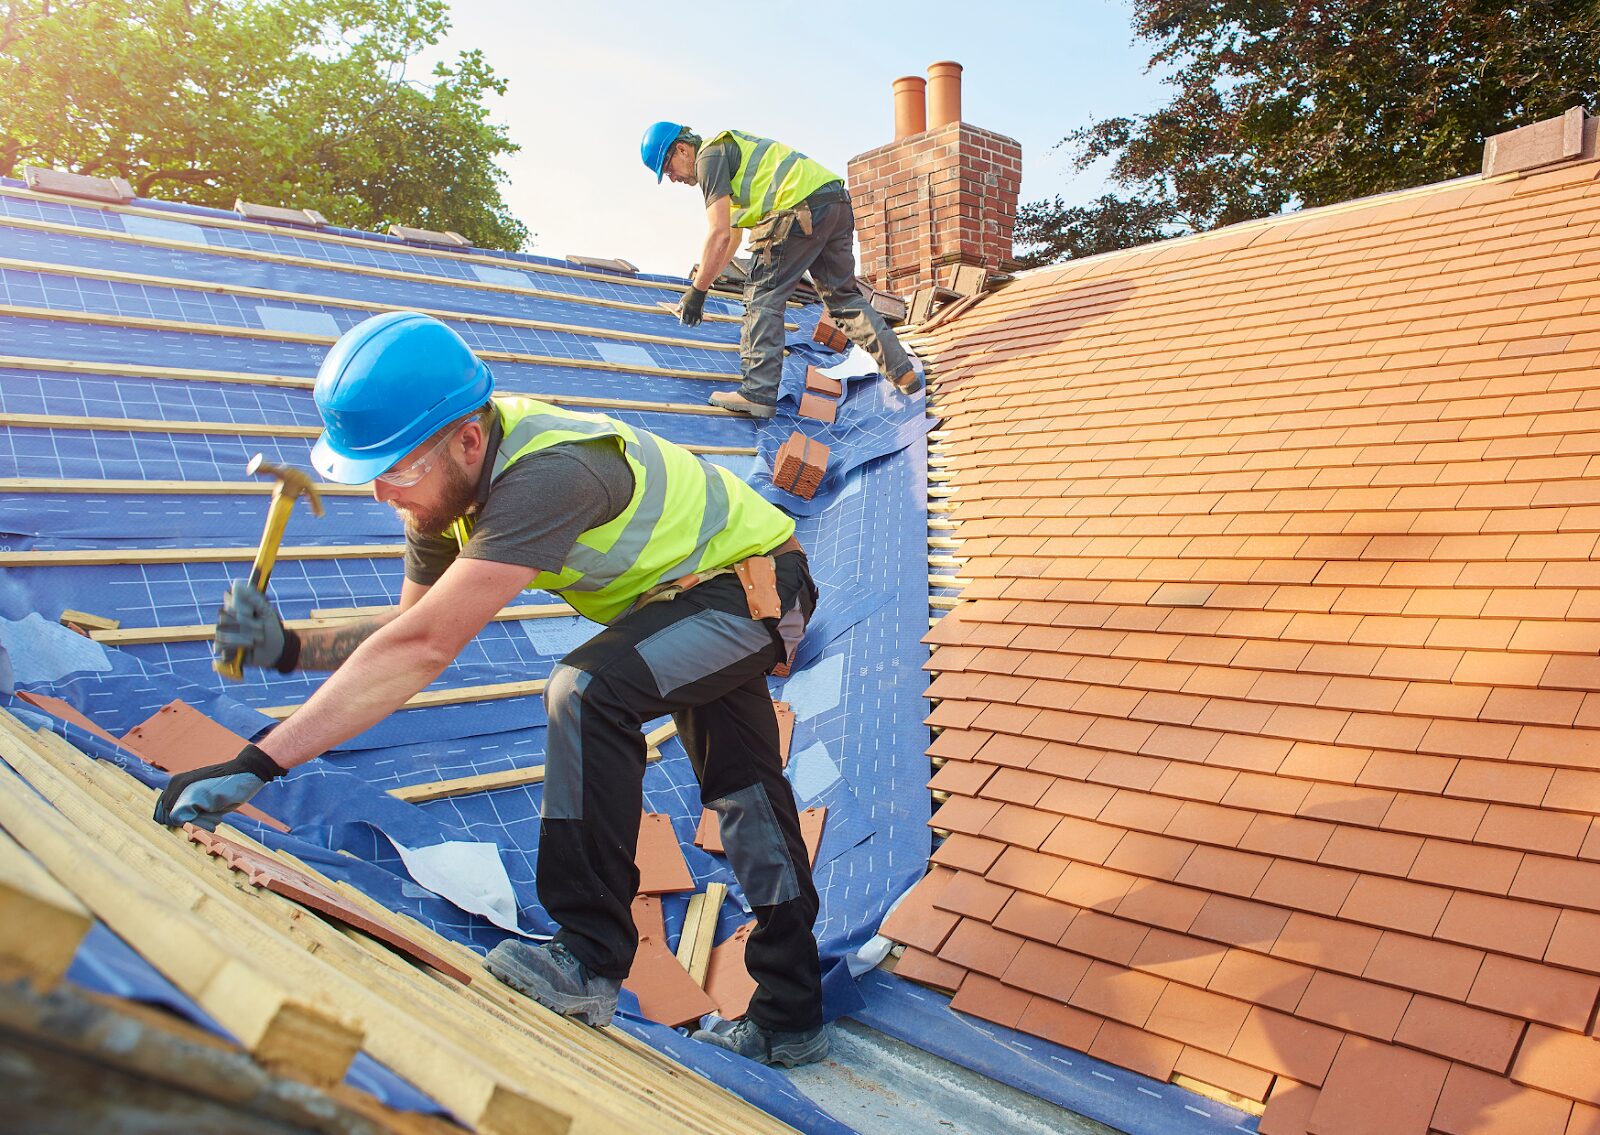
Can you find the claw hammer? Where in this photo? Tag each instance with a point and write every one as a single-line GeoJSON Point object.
{"type": "Point", "coordinates": [291, 484]}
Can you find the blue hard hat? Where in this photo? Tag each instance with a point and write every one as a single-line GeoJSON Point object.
{"type": "Point", "coordinates": [657, 144]}
{"type": "Point", "coordinates": [386, 386]}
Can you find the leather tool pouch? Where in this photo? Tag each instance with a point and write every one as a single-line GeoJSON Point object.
{"type": "Point", "coordinates": [758, 575]}
{"type": "Point", "coordinates": [772, 231]}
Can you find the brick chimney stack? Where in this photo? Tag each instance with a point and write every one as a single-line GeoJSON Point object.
{"type": "Point", "coordinates": [939, 195]}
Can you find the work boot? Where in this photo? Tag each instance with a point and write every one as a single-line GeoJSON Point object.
{"type": "Point", "coordinates": [553, 976]}
{"type": "Point", "coordinates": [908, 381]}
{"type": "Point", "coordinates": [739, 404]}
{"type": "Point", "coordinates": [750, 1040]}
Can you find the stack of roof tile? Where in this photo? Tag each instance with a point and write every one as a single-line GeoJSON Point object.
{"type": "Point", "coordinates": [800, 465]}
{"type": "Point", "coordinates": [1270, 723]}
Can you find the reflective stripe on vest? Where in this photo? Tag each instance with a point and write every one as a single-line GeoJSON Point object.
{"type": "Point", "coordinates": [685, 514]}
{"type": "Point", "coordinates": [771, 177]}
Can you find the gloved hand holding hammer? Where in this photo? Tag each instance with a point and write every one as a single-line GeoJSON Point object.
{"type": "Point", "coordinates": [247, 625]}
{"type": "Point", "coordinates": [249, 632]}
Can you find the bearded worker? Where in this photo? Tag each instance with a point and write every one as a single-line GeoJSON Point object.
{"type": "Point", "coordinates": [700, 586]}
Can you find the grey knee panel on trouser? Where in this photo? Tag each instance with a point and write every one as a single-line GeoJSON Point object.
{"type": "Point", "coordinates": [563, 779]}
{"type": "Point", "coordinates": [755, 846]}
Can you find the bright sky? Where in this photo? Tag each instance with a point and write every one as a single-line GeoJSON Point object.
{"type": "Point", "coordinates": [586, 78]}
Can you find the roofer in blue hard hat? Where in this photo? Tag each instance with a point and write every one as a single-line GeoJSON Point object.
{"type": "Point", "coordinates": [799, 219]}
{"type": "Point", "coordinates": [701, 587]}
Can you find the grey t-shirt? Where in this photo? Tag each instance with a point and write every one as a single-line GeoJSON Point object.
{"type": "Point", "coordinates": [534, 513]}
{"type": "Point", "coordinates": [714, 168]}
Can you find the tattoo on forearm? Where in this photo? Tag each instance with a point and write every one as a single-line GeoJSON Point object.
{"type": "Point", "coordinates": [327, 647]}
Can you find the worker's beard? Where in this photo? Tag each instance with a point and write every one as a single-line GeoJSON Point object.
{"type": "Point", "coordinates": [456, 496]}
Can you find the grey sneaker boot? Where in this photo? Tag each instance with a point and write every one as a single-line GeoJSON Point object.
{"type": "Point", "coordinates": [553, 976]}
{"type": "Point", "coordinates": [748, 1039]}
{"type": "Point", "coordinates": [734, 402]}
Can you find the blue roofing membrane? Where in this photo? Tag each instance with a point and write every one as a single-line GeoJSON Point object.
{"type": "Point", "coordinates": [859, 742]}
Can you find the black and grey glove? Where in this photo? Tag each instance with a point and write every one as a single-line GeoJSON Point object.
{"type": "Point", "coordinates": [204, 796]}
{"type": "Point", "coordinates": [691, 308]}
{"type": "Point", "coordinates": [247, 621]}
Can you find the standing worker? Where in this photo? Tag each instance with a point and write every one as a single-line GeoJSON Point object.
{"type": "Point", "coordinates": [799, 218]}
{"type": "Point", "coordinates": [702, 589]}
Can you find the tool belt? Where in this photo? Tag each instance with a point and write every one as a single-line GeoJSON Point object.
{"type": "Point", "coordinates": [758, 575]}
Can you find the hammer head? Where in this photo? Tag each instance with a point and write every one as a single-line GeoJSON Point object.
{"type": "Point", "coordinates": [291, 482]}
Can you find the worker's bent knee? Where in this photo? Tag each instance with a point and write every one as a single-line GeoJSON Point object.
{"type": "Point", "coordinates": [755, 846]}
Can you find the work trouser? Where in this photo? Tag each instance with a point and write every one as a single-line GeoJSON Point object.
{"type": "Point", "coordinates": [702, 658]}
{"type": "Point", "coordinates": [817, 236]}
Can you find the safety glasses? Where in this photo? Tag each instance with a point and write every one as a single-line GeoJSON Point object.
{"type": "Point", "coordinates": [405, 476]}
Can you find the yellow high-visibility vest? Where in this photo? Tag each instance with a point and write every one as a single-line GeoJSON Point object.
{"type": "Point", "coordinates": [771, 177]}
{"type": "Point", "coordinates": [685, 515]}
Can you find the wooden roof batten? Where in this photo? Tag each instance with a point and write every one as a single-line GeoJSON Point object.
{"type": "Point", "coordinates": [1268, 719]}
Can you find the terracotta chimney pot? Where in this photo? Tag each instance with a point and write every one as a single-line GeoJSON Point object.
{"type": "Point", "coordinates": [944, 94]}
{"type": "Point", "coordinates": [910, 106]}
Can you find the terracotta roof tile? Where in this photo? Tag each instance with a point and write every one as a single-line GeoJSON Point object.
{"type": "Point", "coordinates": [1135, 1049]}
{"type": "Point", "coordinates": [1476, 1103]}
{"type": "Point", "coordinates": [1060, 1023]}
{"type": "Point", "coordinates": [1210, 823]}
{"type": "Point", "coordinates": [1458, 1032]}
{"type": "Point", "coordinates": [1279, 835]}
{"type": "Point", "coordinates": [1533, 829]}
{"type": "Point", "coordinates": [1391, 904]}
{"type": "Point", "coordinates": [917, 965]}
{"type": "Point", "coordinates": [1289, 1108]}
{"type": "Point", "coordinates": [967, 853]}
{"type": "Point", "coordinates": [1504, 925]}
{"type": "Point", "coordinates": [1306, 886]}
{"type": "Point", "coordinates": [1576, 941]}
{"type": "Point", "coordinates": [991, 1000]}
{"type": "Point", "coordinates": [1082, 839]}
{"type": "Point", "coordinates": [1362, 850]}
{"type": "Point", "coordinates": [1545, 993]}
{"type": "Point", "coordinates": [1194, 1017]}
{"type": "Point", "coordinates": [1036, 917]}
{"type": "Point", "coordinates": [1161, 904]}
{"type": "Point", "coordinates": [1562, 1063]}
{"type": "Point", "coordinates": [916, 921]}
{"type": "Point", "coordinates": [963, 814]}
{"type": "Point", "coordinates": [1380, 1089]}
{"type": "Point", "coordinates": [1263, 980]}
{"type": "Point", "coordinates": [1325, 943]}
{"type": "Point", "coordinates": [1138, 810]}
{"type": "Point", "coordinates": [1353, 1005]}
{"type": "Point", "coordinates": [1118, 993]}
{"type": "Point", "coordinates": [1105, 937]}
{"type": "Point", "coordinates": [1548, 879]}
{"type": "Point", "coordinates": [1022, 870]}
{"type": "Point", "coordinates": [1585, 1120]}
{"type": "Point", "coordinates": [972, 896]}
{"type": "Point", "coordinates": [1284, 620]}
{"type": "Point", "coordinates": [1286, 1045]}
{"type": "Point", "coordinates": [1435, 816]}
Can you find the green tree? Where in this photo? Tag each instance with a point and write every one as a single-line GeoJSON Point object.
{"type": "Point", "coordinates": [1292, 102]}
{"type": "Point", "coordinates": [296, 102]}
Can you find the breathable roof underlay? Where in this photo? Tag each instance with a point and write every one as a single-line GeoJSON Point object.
{"type": "Point", "coordinates": [149, 350]}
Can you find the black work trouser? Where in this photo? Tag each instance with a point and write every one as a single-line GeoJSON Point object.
{"type": "Point", "coordinates": [817, 236]}
{"type": "Point", "coordinates": [702, 658]}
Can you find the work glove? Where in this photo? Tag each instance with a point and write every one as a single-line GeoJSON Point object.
{"type": "Point", "coordinates": [204, 796]}
{"type": "Point", "coordinates": [247, 621]}
{"type": "Point", "coordinates": [691, 308]}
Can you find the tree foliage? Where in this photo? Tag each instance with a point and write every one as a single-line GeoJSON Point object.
{"type": "Point", "coordinates": [1280, 102]}
{"type": "Point", "coordinates": [296, 102]}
